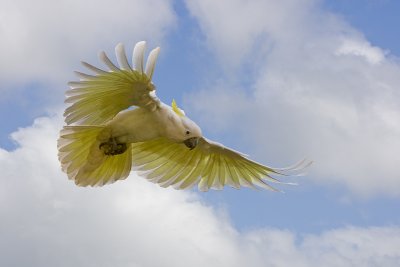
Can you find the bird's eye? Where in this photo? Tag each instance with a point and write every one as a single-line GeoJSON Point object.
{"type": "Point", "coordinates": [187, 132]}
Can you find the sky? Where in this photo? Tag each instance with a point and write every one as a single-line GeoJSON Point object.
{"type": "Point", "coordinates": [278, 80]}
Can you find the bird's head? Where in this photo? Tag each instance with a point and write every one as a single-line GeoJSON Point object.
{"type": "Point", "coordinates": [190, 132]}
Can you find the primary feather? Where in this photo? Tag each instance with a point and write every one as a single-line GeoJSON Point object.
{"type": "Point", "coordinates": [104, 140]}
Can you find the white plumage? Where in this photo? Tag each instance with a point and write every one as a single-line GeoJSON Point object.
{"type": "Point", "coordinates": [104, 140]}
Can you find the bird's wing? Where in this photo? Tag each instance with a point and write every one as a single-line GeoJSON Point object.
{"type": "Point", "coordinates": [210, 165]}
{"type": "Point", "coordinates": [97, 98]}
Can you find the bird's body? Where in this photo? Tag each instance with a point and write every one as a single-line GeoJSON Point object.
{"type": "Point", "coordinates": [138, 125]}
{"type": "Point", "coordinates": [104, 139]}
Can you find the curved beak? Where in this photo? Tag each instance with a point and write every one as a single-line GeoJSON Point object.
{"type": "Point", "coordinates": [191, 142]}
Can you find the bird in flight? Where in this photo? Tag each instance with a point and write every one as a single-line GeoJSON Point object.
{"type": "Point", "coordinates": [116, 124]}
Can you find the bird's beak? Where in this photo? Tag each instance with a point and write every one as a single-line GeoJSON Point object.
{"type": "Point", "coordinates": [191, 142]}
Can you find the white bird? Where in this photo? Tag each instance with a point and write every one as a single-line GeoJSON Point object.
{"type": "Point", "coordinates": [104, 140]}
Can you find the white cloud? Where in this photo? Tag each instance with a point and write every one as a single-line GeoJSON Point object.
{"type": "Point", "coordinates": [51, 222]}
{"type": "Point", "coordinates": [340, 247]}
{"type": "Point", "coordinates": [320, 90]}
{"type": "Point", "coordinates": [42, 40]}
{"type": "Point", "coordinates": [48, 221]}
{"type": "Point", "coordinates": [234, 27]}
{"type": "Point", "coordinates": [373, 55]}
{"type": "Point", "coordinates": [354, 247]}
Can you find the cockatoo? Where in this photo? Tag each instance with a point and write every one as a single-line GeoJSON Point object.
{"type": "Point", "coordinates": [105, 139]}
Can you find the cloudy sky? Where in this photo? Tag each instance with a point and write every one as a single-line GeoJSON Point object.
{"type": "Point", "coordinates": [278, 80]}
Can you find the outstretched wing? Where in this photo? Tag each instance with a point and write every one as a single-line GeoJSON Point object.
{"type": "Point", "coordinates": [97, 98]}
{"type": "Point", "coordinates": [210, 165]}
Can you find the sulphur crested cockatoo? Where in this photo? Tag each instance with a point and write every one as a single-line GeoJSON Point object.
{"type": "Point", "coordinates": [104, 140]}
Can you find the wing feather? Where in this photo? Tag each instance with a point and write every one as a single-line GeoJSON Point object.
{"type": "Point", "coordinates": [151, 62]}
{"type": "Point", "coordinates": [103, 57]}
{"type": "Point", "coordinates": [194, 176]}
{"type": "Point", "coordinates": [159, 172]}
{"type": "Point", "coordinates": [121, 57]}
{"type": "Point", "coordinates": [213, 177]}
{"type": "Point", "coordinates": [94, 69]}
{"type": "Point", "coordinates": [232, 180]}
{"type": "Point", "coordinates": [262, 173]}
{"type": "Point", "coordinates": [97, 98]}
{"type": "Point", "coordinates": [221, 173]}
{"type": "Point", "coordinates": [210, 165]}
{"type": "Point", "coordinates": [242, 174]}
{"type": "Point", "coordinates": [181, 171]}
{"type": "Point", "coordinates": [138, 56]}
{"type": "Point", "coordinates": [187, 170]}
{"type": "Point", "coordinates": [217, 181]}
{"type": "Point", "coordinates": [84, 76]}
{"type": "Point", "coordinates": [148, 158]}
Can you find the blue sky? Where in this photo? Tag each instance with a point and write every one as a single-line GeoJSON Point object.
{"type": "Point", "coordinates": [279, 81]}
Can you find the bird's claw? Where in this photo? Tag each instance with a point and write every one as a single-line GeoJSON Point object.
{"type": "Point", "coordinates": [112, 147]}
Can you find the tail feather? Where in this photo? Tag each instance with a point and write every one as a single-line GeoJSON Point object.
{"type": "Point", "coordinates": [83, 160]}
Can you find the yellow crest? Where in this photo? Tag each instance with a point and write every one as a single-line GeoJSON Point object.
{"type": "Point", "coordinates": [177, 110]}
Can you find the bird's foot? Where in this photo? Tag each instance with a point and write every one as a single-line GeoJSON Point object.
{"type": "Point", "coordinates": [112, 147]}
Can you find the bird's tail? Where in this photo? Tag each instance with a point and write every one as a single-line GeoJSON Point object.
{"type": "Point", "coordinates": [84, 159]}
